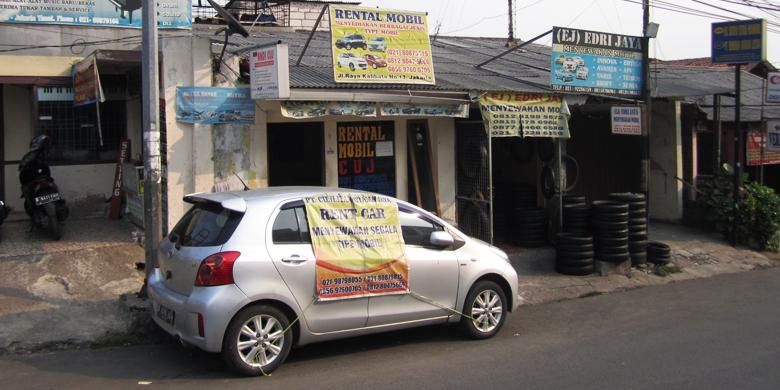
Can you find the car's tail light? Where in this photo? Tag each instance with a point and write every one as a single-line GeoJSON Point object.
{"type": "Point", "coordinates": [217, 269]}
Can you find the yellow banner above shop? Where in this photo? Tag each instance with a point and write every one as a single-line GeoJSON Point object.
{"type": "Point", "coordinates": [358, 245]}
{"type": "Point", "coordinates": [380, 46]}
{"type": "Point", "coordinates": [509, 114]}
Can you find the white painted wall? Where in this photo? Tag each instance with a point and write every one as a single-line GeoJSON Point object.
{"type": "Point", "coordinates": [666, 192]}
{"type": "Point", "coordinates": [17, 114]}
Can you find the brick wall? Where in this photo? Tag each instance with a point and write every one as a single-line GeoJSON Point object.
{"type": "Point", "coordinates": [304, 15]}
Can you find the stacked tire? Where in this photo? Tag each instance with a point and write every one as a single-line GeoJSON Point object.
{"type": "Point", "coordinates": [658, 253]}
{"type": "Point", "coordinates": [530, 227]}
{"type": "Point", "coordinates": [610, 226]}
{"type": "Point", "coordinates": [576, 215]}
{"type": "Point", "coordinates": [637, 225]}
{"type": "Point", "coordinates": [574, 254]}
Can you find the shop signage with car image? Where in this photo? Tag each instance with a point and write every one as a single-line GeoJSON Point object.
{"type": "Point", "coordinates": [316, 109]}
{"type": "Point", "coordinates": [509, 114]}
{"type": "Point", "coordinates": [410, 109]}
{"type": "Point", "coordinates": [211, 105]}
{"type": "Point", "coordinates": [118, 13]}
{"type": "Point", "coordinates": [357, 244]}
{"type": "Point", "coordinates": [596, 62]}
{"type": "Point", "coordinates": [372, 45]}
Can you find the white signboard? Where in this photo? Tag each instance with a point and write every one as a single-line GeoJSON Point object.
{"type": "Point", "coordinates": [269, 73]}
{"type": "Point", "coordinates": [773, 87]}
{"type": "Point", "coordinates": [773, 131]}
{"type": "Point", "coordinates": [627, 120]}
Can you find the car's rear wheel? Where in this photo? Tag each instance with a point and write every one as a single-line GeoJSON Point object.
{"type": "Point", "coordinates": [352, 67]}
{"type": "Point", "coordinates": [348, 47]}
{"type": "Point", "coordinates": [257, 341]}
{"type": "Point", "coordinates": [485, 310]}
{"type": "Point", "coordinates": [373, 66]}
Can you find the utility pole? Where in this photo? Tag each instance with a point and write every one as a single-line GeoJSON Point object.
{"type": "Point", "coordinates": [647, 97]}
{"type": "Point", "coordinates": [151, 142]}
{"type": "Point", "coordinates": [737, 147]}
{"type": "Point", "coordinates": [511, 37]}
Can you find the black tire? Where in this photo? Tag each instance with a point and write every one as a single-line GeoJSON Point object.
{"type": "Point", "coordinates": [574, 239]}
{"type": "Point", "coordinates": [348, 46]}
{"type": "Point", "coordinates": [373, 66]}
{"type": "Point", "coordinates": [352, 67]}
{"type": "Point", "coordinates": [575, 271]}
{"type": "Point", "coordinates": [574, 262]}
{"type": "Point", "coordinates": [233, 357]}
{"type": "Point", "coordinates": [55, 230]}
{"type": "Point", "coordinates": [613, 257]}
{"type": "Point", "coordinates": [467, 322]}
{"type": "Point", "coordinates": [573, 255]}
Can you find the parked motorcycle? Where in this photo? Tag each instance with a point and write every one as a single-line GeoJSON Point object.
{"type": "Point", "coordinates": [42, 200]}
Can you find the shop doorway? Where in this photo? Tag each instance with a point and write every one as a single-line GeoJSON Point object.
{"type": "Point", "coordinates": [296, 154]}
{"type": "Point", "coordinates": [421, 185]}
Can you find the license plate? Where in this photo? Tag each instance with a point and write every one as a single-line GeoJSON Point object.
{"type": "Point", "coordinates": [166, 314]}
{"type": "Point", "coordinates": [44, 199]}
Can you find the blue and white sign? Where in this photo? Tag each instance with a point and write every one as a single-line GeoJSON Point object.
{"type": "Point", "coordinates": [739, 42]}
{"type": "Point", "coordinates": [596, 62]}
{"type": "Point", "coordinates": [119, 13]}
{"type": "Point", "coordinates": [627, 120]}
{"type": "Point", "coordinates": [209, 105]}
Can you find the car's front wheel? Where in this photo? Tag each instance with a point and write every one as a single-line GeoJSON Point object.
{"type": "Point", "coordinates": [257, 341]}
{"type": "Point", "coordinates": [485, 310]}
{"type": "Point", "coordinates": [348, 46]}
{"type": "Point", "coordinates": [352, 67]}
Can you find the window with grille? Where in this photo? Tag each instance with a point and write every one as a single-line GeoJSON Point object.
{"type": "Point", "coordinates": [74, 131]}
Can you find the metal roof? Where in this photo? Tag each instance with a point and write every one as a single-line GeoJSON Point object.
{"type": "Point", "coordinates": [524, 70]}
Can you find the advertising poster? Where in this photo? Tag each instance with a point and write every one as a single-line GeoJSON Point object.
{"type": "Point", "coordinates": [119, 13]}
{"type": "Point", "coordinates": [773, 87]}
{"type": "Point", "coordinates": [308, 110]}
{"type": "Point", "coordinates": [366, 156]}
{"type": "Point", "coordinates": [86, 83]}
{"type": "Point", "coordinates": [209, 105]}
{"type": "Point", "coordinates": [596, 62]}
{"type": "Point", "coordinates": [408, 109]}
{"type": "Point", "coordinates": [755, 142]}
{"type": "Point", "coordinates": [627, 120]}
{"type": "Point", "coordinates": [371, 45]}
{"type": "Point", "coordinates": [773, 136]}
{"type": "Point", "coordinates": [269, 73]}
{"type": "Point", "coordinates": [358, 245]}
{"type": "Point", "coordinates": [739, 42]}
{"type": "Point", "coordinates": [525, 115]}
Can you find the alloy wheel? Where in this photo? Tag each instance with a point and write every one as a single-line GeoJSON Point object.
{"type": "Point", "coordinates": [261, 340]}
{"type": "Point", "coordinates": [487, 310]}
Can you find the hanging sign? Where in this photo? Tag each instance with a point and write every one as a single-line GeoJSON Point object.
{"type": "Point", "coordinates": [378, 46]}
{"type": "Point", "coordinates": [596, 62]}
{"type": "Point", "coordinates": [366, 157]}
{"type": "Point", "coordinates": [119, 13]}
{"type": "Point", "coordinates": [756, 142]}
{"type": "Point", "coordinates": [525, 115]}
{"type": "Point", "coordinates": [739, 42]}
{"type": "Point", "coordinates": [773, 87]}
{"type": "Point", "coordinates": [357, 244]}
{"type": "Point", "coordinates": [116, 193]}
{"type": "Point", "coordinates": [441, 110]}
{"type": "Point", "coordinates": [86, 83]}
{"type": "Point", "coordinates": [773, 136]}
{"type": "Point", "coordinates": [308, 110]}
{"type": "Point", "coordinates": [210, 105]}
{"type": "Point", "coordinates": [627, 120]}
{"type": "Point", "coordinates": [270, 73]}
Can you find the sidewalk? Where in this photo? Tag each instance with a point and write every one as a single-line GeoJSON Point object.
{"type": "Point", "coordinates": [80, 291]}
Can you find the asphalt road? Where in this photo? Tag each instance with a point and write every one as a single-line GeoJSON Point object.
{"type": "Point", "coordinates": [718, 333]}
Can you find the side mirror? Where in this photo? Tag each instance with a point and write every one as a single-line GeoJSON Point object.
{"type": "Point", "coordinates": [442, 239]}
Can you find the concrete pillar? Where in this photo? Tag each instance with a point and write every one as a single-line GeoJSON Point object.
{"type": "Point", "coordinates": [666, 191]}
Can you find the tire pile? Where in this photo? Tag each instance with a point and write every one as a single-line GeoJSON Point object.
{"type": "Point", "coordinates": [574, 254]}
{"type": "Point", "coordinates": [530, 227]}
{"type": "Point", "coordinates": [610, 226]}
{"type": "Point", "coordinates": [658, 253]}
{"type": "Point", "coordinates": [637, 225]}
{"type": "Point", "coordinates": [576, 215]}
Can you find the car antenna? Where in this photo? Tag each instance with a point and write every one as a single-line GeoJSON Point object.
{"type": "Point", "coordinates": [246, 187]}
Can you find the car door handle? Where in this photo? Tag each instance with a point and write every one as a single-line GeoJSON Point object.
{"type": "Point", "coordinates": [294, 259]}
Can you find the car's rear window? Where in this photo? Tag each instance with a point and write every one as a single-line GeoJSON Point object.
{"type": "Point", "coordinates": [206, 224]}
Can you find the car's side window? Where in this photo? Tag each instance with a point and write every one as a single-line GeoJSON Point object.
{"type": "Point", "coordinates": [285, 230]}
{"type": "Point", "coordinates": [417, 230]}
{"type": "Point", "coordinates": [291, 227]}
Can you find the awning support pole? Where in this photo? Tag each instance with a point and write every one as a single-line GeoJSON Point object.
{"type": "Point", "coordinates": [520, 46]}
{"type": "Point", "coordinates": [311, 34]}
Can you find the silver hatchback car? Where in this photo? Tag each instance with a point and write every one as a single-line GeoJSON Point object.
{"type": "Point", "coordinates": [236, 275]}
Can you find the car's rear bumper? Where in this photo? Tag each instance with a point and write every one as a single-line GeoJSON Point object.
{"type": "Point", "coordinates": [217, 305]}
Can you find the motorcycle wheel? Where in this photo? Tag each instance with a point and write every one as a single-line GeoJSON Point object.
{"type": "Point", "coordinates": [54, 225]}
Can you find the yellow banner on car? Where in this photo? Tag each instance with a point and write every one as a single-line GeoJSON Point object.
{"type": "Point", "coordinates": [509, 114]}
{"type": "Point", "coordinates": [380, 46]}
{"type": "Point", "coordinates": [358, 245]}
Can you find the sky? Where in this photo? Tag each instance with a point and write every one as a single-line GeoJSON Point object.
{"type": "Point", "coordinates": [681, 35]}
